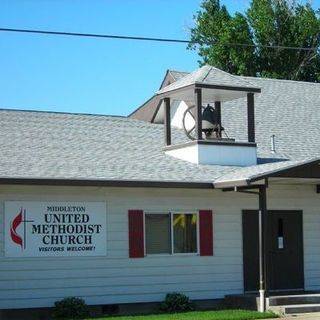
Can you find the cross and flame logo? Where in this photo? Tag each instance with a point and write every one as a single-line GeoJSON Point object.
{"type": "Point", "coordinates": [13, 229]}
{"type": "Point", "coordinates": [21, 217]}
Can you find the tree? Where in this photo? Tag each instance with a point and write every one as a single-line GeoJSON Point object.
{"type": "Point", "coordinates": [241, 43]}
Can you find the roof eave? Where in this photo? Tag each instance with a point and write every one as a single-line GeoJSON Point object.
{"type": "Point", "coordinates": [229, 88]}
{"type": "Point", "coordinates": [233, 183]}
{"type": "Point", "coordinates": [208, 86]}
{"type": "Point", "coordinates": [105, 183]}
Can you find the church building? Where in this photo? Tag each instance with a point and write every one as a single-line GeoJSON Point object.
{"type": "Point", "coordinates": [211, 188]}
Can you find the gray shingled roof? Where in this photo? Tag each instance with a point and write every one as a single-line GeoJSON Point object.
{"type": "Point", "coordinates": [72, 146]}
{"type": "Point", "coordinates": [208, 75]}
{"type": "Point", "coordinates": [243, 176]}
{"type": "Point", "coordinates": [48, 145]}
{"type": "Point", "coordinates": [177, 75]}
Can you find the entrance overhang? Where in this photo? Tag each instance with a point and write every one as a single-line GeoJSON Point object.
{"type": "Point", "coordinates": [248, 179]}
{"type": "Point", "coordinates": [300, 169]}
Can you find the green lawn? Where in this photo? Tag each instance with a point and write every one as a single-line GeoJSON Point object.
{"type": "Point", "coordinates": [200, 315]}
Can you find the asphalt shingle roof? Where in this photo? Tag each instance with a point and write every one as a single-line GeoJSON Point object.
{"type": "Point", "coordinates": [241, 176]}
{"type": "Point", "coordinates": [48, 145]}
{"type": "Point", "coordinates": [177, 75]}
{"type": "Point", "coordinates": [73, 146]}
{"type": "Point", "coordinates": [208, 75]}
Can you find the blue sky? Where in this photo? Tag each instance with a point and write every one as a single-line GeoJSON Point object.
{"type": "Point", "coordinates": [92, 75]}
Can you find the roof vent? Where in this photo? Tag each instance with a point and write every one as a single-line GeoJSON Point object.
{"type": "Point", "coordinates": [273, 143]}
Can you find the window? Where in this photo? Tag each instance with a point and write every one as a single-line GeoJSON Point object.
{"type": "Point", "coordinates": [280, 234]}
{"type": "Point", "coordinates": [184, 233]}
{"type": "Point", "coordinates": [158, 235]}
{"type": "Point", "coordinates": [171, 233]}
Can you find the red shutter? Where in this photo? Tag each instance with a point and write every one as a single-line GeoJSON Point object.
{"type": "Point", "coordinates": [206, 232]}
{"type": "Point", "coordinates": [136, 234]}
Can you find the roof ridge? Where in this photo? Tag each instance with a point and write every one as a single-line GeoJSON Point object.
{"type": "Point", "coordinates": [210, 68]}
{"type": "Point", "coordinates": [281, 80]}
{"type": "Point", "coordinates": [63, 112]}
{"type": "Point", "coordinates": [172, 70]}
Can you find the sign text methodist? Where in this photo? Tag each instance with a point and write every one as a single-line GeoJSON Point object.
{"type": "Point", "coordinates": [36, 229]}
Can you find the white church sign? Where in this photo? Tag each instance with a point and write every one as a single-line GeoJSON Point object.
{"type": "Point", "coordinates": [37, 229]}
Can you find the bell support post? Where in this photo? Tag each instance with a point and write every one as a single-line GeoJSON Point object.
{"type": "Point", "coordinates": [198, 113]}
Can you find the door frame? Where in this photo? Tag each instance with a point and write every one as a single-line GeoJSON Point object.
{"type": "Point", "coordinates": [300, 212]}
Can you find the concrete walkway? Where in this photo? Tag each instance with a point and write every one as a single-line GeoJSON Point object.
{"type": "Point", "coordinates": [303, 316]}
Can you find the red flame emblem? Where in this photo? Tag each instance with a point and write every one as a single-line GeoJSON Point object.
{"type": "Point", "coordinates": [13, 228]}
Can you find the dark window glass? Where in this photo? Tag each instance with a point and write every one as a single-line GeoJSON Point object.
{"type": "Point", "coordinates": [280, 227]}
{"type": "Point", "coordinates": [158, 232]}
{"type": "Point", "coordinates": [280, 234]}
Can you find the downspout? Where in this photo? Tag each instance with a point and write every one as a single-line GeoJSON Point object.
{"type": "Point", "coordinates": [262, 193]}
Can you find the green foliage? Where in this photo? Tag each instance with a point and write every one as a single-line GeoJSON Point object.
{"type": "Point", "coordinates": [201, 315]}
{"type": "Point", "coordinates": [70, 308]}
{"type": "Point", "coordinates": [265, 23]}
{"type": "Point", "coordinates": [176, 302]}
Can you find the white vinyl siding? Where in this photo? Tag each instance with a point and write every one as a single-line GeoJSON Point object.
{"type": "Point", "coordinates": [114, 278]}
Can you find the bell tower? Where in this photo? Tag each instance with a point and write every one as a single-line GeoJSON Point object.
{"type": "Point", "coordinates": [197, 100]}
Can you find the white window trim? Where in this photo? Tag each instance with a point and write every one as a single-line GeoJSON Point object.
{"type": "Point", "coordinates": [171, 213]}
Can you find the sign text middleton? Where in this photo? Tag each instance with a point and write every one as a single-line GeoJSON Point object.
{"type": "Point", "coordinates": [35, 229]}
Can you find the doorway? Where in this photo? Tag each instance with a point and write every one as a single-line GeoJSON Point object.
{"type": "Point", "coordinates": [284, 250]}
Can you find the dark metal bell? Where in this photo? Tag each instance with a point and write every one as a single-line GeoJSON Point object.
{"type": "Point", "coordinates": [209, 118]}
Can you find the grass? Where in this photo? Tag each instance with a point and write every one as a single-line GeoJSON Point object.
{"type": "Point", "coordinates": [200, 315]}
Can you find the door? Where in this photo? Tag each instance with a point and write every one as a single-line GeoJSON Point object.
{"type": "Point", "coordinates": [284, 254]}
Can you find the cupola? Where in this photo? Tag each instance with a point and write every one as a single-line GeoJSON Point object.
{"type": "Point", "coordinates": [194, 103]}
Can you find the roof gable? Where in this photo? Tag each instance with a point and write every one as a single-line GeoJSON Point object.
{"type": "Point", "coordinates": [146, 111]}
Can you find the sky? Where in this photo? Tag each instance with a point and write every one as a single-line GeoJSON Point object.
{"type": "Point", "coordinates": [86, 75]}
